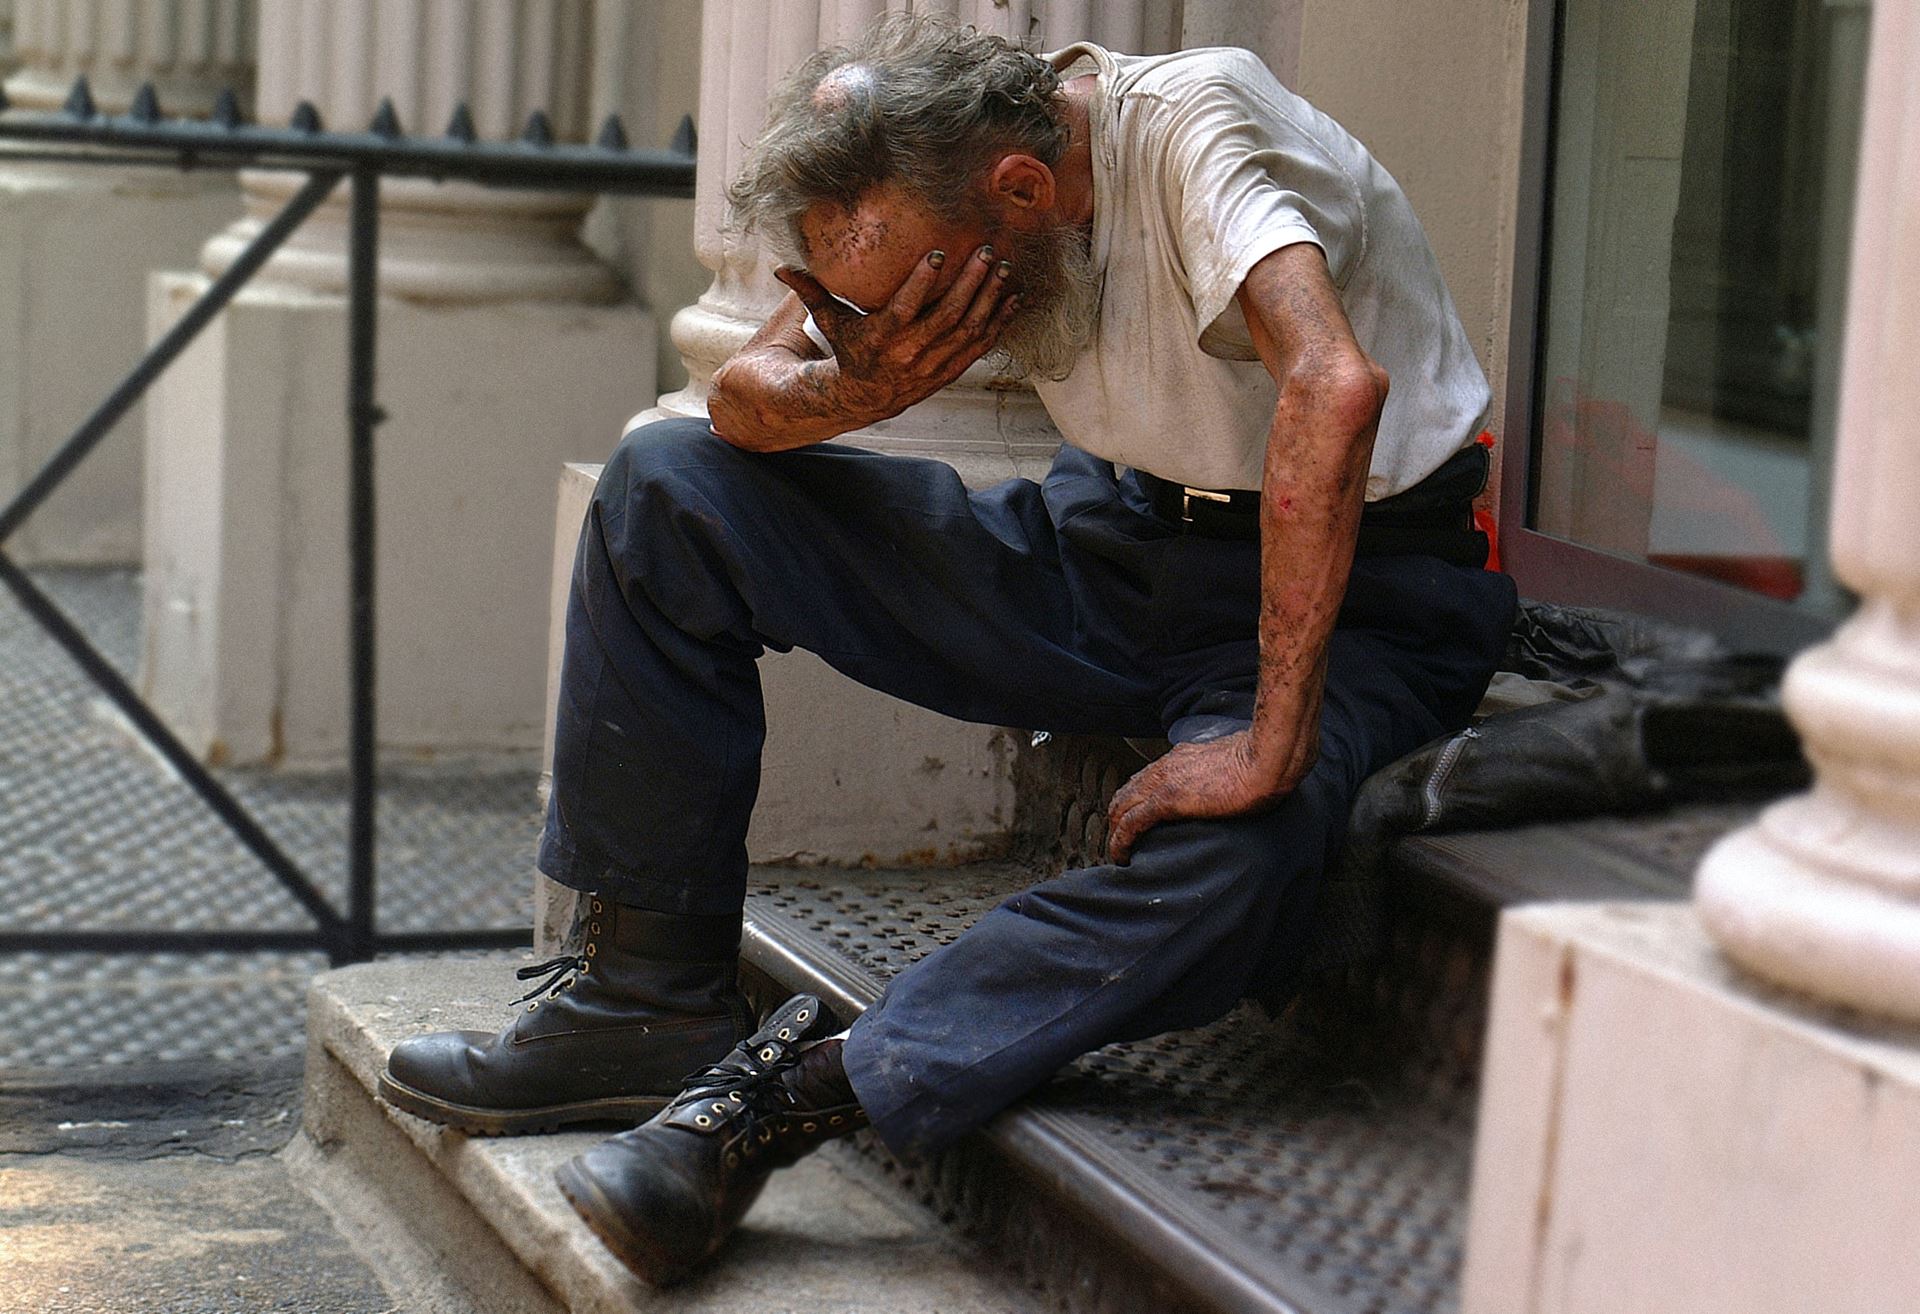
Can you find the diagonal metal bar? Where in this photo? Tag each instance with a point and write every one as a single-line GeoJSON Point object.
{"type": "Point", "coordinates": [363, 252]}
{"type": "Point", "coordinates": [197, 778]}
{"type": "Point", "coordinates": [98, 425]}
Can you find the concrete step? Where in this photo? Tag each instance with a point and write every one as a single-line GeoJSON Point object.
{"type": "Point", "coordinates": [475, 1224]}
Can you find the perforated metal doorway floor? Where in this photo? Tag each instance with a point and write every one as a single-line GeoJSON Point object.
{"type": "Point", "coordinates": [1318, 1163]}
{"type": "Point", "coordinates": [96, 832]}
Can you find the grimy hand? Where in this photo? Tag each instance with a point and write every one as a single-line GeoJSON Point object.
{"type": "Point", "coordinates": [911, 347]}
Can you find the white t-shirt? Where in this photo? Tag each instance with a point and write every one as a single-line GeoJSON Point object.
{"type": "Point", "coordinates": [1203, 164]}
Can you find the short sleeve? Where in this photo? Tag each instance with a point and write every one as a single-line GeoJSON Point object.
{"type": "Point", "coordinates": [812, 330]}
{"type": "Point", "coordinates": [1244, 178]}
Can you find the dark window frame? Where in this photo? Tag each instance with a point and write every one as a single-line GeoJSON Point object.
{"type": "Point", "coordinates": [1558, 569]}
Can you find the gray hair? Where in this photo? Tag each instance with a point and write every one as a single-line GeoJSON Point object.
{"type": "Point", "coordinates": [919, 100]}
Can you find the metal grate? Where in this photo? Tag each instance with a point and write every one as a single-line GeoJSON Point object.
{"type": "Point", "coordinates": [101, 835]}
{"type": "Point", "coordinates": [1324, 1153]}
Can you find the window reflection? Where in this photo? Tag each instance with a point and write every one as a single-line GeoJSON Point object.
{"type": "Point", "coordinates": [1703, 172]}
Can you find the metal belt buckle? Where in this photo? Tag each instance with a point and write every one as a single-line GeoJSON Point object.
{"type": "Point", "coordinates": [1187, 496]}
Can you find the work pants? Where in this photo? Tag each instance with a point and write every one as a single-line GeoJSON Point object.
{"type": "Point", "coordinates": [1064, 605]}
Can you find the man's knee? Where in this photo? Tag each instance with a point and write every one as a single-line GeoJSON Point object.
{"type": "Point", "coordinates": [662, 453]}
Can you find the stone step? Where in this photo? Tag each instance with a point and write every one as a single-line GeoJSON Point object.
{"type": "Point", "coordinates": [475, 1224]}
{"type": "Point", "coordinates": [1313, 1163]}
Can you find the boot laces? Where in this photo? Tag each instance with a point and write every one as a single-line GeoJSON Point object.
{"type": "Point", "coordinates": [559, 973]}
{"type": "Point", "coordinates": [757, 1092]}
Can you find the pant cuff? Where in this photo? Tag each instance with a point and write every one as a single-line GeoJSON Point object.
{"type": "Point", "coordinates": [578, 871]}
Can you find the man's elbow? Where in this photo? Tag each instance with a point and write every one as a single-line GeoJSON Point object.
{"type": "Point", "coordinates": [1348, 387]}
{"type": "Point", "coordinates": [729, 420]}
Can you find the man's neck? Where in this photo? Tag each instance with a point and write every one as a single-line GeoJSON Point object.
{"type": "Point", "coordinates": [1073, 175]}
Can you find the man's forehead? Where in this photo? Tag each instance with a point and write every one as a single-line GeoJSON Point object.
{"type": "Point", "coordinates": [842, 232]}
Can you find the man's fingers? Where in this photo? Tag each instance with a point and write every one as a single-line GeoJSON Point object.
{"type": "Point", "coordinates": [1131, 813]}
{"type": "Point", "coordinates": [1122, 836]}
{"type": "Point", "coordinates": [946, 314]}
{"type": "Point", "coordinates": [991, 296]}
{"type": "Point", "coordinates": [912, 292]}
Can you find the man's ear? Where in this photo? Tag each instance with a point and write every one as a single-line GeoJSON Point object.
{"type": "Point", "coordinates": [1022, 182]}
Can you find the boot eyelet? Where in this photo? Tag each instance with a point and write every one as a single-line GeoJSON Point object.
{"type": "Point", "coordinates": [835, 1120]}
{"type": "Point", "coordinates": [767, 1054]}
{"type": "Point", "coordinates": [801, 1016]}
{"type": "Point", "coordinates": [809, 1127]}
{"type": "Point", "coordinates": [597, 907]}
{"type": "Point", "coordinates": [719, 1108]}
{"type": "Point", "coordinates": [735, 1097]}
{"type": "Point", "coordinates": [535, 1004]}
{"type": "Point", "coordinates": [785, 1034]}
{"type": "Point", "coordinates": [592, 949]}
{"type": "Point", "coordinates": [593, 928]}
{"type": "Point", "coordinates": [766, 1138]}
{"type": "Point", "coordinates": [704, 1121]}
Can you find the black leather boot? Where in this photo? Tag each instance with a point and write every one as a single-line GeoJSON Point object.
{"type": "Point", "coordinates": [609, 1035]}
{"type": "Point", "coordinates": [664, 1196]}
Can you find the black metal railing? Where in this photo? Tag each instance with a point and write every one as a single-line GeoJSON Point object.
{"type": "Point", "coordinates": [79, 133]}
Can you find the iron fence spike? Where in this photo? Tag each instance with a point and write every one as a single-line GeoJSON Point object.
{"type": "Point", "coordinates": [685, 139]}
{"type": "Point", "coordinates": [539, 130]}
{"type": "Point", "coordinates": [386, 120]}
{"type": "Point", "coordinates": [226, 108]}
{"type": "Point", "coordinates": [613, 134]}
{"type": "Point", "coordinates": [460, 126]}
{"type": "Point", "coordinates": [146, 104]}
{"type": "Point", "coordinates": [305, 118]}
{"type": "Point", "coordinates": [80, 100]}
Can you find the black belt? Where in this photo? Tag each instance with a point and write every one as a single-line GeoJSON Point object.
{"type": "Point", "coordinates": [1433, 518]}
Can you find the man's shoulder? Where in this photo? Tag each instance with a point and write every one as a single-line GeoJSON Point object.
{"type": "Point", "coordinates": [1182, 73]}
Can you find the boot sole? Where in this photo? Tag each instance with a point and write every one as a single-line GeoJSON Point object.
{"type": "Point", "coordinates": [628, 1109]}
{"type": "Point", "coordinates": [643, 1259]}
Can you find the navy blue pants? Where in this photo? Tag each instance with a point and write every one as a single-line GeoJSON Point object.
{"type": "Point", "coordinates": [1065, 605]}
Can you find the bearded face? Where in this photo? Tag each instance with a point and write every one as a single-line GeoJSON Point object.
{"type": "Point", "coordinates": [1059, 293]}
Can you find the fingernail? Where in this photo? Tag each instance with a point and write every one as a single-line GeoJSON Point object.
{"type": "Point", "coordinates": [1006, 269]}
{"type": "Point", "coordinates": [986, 254]}
{"type": "Point", "coordinates": [936, 258]}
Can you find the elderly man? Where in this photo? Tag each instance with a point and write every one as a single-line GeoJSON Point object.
{"type": "Point", "coordinates": [1212, 285]}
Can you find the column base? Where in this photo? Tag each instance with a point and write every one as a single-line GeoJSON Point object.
{"type": "Point", "coordinates": [246, 613]}
{"type": "Point", "coordinates": [76, 245]}
{"type": "Point", "coordinates": [1661, 1132]}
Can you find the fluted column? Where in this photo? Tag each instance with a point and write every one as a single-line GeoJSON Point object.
{"type": "Point", "coordinates": [506, 349]}
{"type": "Point", "coordinates": [503, 60]}
{"type": "Point", "coordinates": [63, 338]}
{"type": "Point", "coordinates": [1823, 892]}
{"type": "Point", "coordinates": [985, 427]}
{"type": "Point", "coordinates": [189, 50]}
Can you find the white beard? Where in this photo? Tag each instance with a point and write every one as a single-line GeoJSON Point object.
{"type": "Point", "coordinates": [1059, 292]}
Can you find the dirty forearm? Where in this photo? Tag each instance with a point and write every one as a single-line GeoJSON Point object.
{"type": "Point", "coordinates": [780, 390]}
{"type": "Point", "coordinates": [1313, 487]}
{"type": "Point", "coordinates": [770, 400]}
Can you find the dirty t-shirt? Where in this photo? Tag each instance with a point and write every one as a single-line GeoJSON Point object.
{"type": "Point", "coordinates": [1203, 164]}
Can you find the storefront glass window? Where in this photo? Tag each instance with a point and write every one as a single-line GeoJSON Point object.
{"type": "Point", "coordinates": [1702, 178]}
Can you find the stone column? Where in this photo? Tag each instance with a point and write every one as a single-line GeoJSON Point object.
{"type": "Point", "coordinates": [6, 37]}
{"type": "Point", "coordinates": [77, 242]}
{"type": "Point", "coordinates": [189, 50]}
{"type": "Point", "coordinates": [506, 349]}
{"type": "Point", "coordinates": [1823, 893]}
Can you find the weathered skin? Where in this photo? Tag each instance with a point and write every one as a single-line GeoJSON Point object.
{"type": "Point", "coordinates": [931, 315]}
